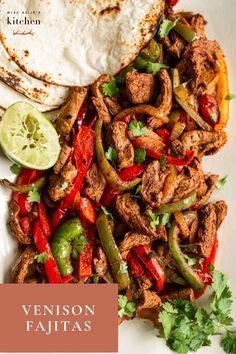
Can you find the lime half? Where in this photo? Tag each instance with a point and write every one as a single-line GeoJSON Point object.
{"type": "Point", "coordinates": [28, 138]}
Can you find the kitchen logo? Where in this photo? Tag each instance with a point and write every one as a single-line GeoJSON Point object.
{"type": "Point", "coordinates": [23, 18]}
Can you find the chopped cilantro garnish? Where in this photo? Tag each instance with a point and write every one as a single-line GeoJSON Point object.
{"type": "Point", "coordinates": [165, 219]}
{"type": "Point", "coordinates": [155, 220]}
{"type": "Point", "coordinates": [123, 267]}
{"type": "Point", "coordinates": [137, 128]}
{"type": "Point", "coordinates": [109, 88]}
{"type": "Point", "coordinates": [166, 26]}
{"type": "Point", "coordinates": [190, 261]}
{"type": "Point", "coordinates": [15, 169]}
{"type": "Point", "coordinates": [111, 155]}
{"type": "Point", "coordinates": [220, 184]}
{"type": "Point", "coordinates": [125, 308]}
{"type": "Point", "coordinates": [154, 68]}
{"type": "Point", "coordinates": [140, 155]}
{"type": "Point", "coordinates": [230, 97]}
{"type": "Point", "coordinates": [33, 196]}
{"type": "Point", "coordinates": [41, 257]}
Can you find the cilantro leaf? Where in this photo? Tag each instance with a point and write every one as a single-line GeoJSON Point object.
{"type": "Point", "coordinates": [230, 97]}
{"type": "Point", "coordinates": [64, 186]}
{"type": "Point", "coordinates": [123, 268]}
{"type": "Point", "coordinates": [107, 213]}
{"type": "Point", "coordinates": [33, 196]}
{"type": "Point", "coordinates": [214, 117]}
{"type": "Point", "coordinates": [190, 261]}
{"type": "Point", "coordinates": [229, 342]}
{"type": "Point", "coordinates": [136, 196]}
{"type": "Point", "coordinates": [140, 155]}
{"type": "Point", "coordinates": [79, 244]}
{"type": "Point", "coordinates": [166, 26]}
{"type": "Point", "coordinates": [41, 257]}
{"type": "Point", "coordinates": [137, 128]}
{"type": "Point", "coordinates": [125, 308]}
{"type": "Point", "coordinates": [165, 219]}
{"type": "Point", "coordinates": [155, 219]}
{"type": "Point", "coordinates": [220, 184]}
{"type": "Point", "coordinates": [111, 155]}
{"type": "Point", "coordinates": [15, 169]}
{"type": "Point", "coordinates": [163, 160]}
{"type": "Point", "coordinates": [109, 88]}
{"type": "Point", "coordinates": [154, 68]}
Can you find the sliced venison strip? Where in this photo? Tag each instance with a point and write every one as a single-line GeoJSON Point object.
{"type": "Point", "coordinates": [129, 211]}
{"type": "Point", "coordinates": [153, 180]}
{"type": "Point", "coordinates": [198, 24]}
{"type": "Point", "coordinates": [94, 183]}
{"type": "Point", "coordinates": [113, 105]}
{"type": "Point", "coordinates": [139, 87]}
{"type": "Point", "coordinates": [117, 138]}
{"type": "Point", "coordinates": [221, 209]}
{"type": "Point", "coordinates": [131, 240]}
{"type": "Point", "coordinates": [61, 185]}
{"type": "Point", "coordinates": [22, 264]}
{"type": "Point", "coordinates": [100, 262]}
{"type": "Point", "coordinates": [63, 157]}
{"type": "Point", "coordinates": [15, 226]}
{"type": "Point", "coordinates": [150, 141]}
{"type": "Point", "coordinates": [183, 293]}
{"type": "Point", "coordinates": [210, 182]}
{"type": "Point", "coordinates": [96, 87]}
{"type": "Point", "coordinates": [148, 305]}
{"type": "Point", "coordinates": [69, 112]}
{"type": "Point", "coordinates": [201, 141]}
{"type": "Point", "coordinates": [187, 182]}
{"type": "Point", "coordinates": [207, 230]}
{"type": "Point", "coordinates": [101, 109]}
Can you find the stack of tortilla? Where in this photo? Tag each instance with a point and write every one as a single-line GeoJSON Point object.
{"type": "Point", "coordinates": [47, 46]}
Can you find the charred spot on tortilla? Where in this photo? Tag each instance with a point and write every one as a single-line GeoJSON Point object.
{"type": "Point", "coordinates": [110, 9]}
{"type": "Point", "coordinates": [26, 53]}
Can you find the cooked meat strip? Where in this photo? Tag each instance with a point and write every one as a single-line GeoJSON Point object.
{"type": "Point", "coordinates": [97, 85]}
{"type": "Point", "coordinates": [14, 224]}
{"type": "Point", "coordinates": [151, 141]}
{"type": "Point", "coordinates": [117, 138]}
{"type": "Point", "coordinates": [182, 293]}
{"type": "Point", "coordinates": [129, 212]}
{"type": "Point", "coordinates": [94, 183]}
{"type": "Point", "coordinates": [69, 112]}
{"type": "Point", "coordinates": [221, 209]}
{"type": "Point", "coordinates": [174, 44]}
{"type": "Point", "coordinates": [131, 240]}
{"type": "Point", "coordinates": [177, 148]}
{"type": "Point", "coordinates": [148, 305]}
{"type": "Point", "coordinates": [164, 254]}
{"type": "Point", "coordinates": [201, 141]}
{"type": "Point", "coordinates": [100, 262]}
{"type": "Point", "coordinates": [22, 264]}
{"type": "Point", "coordinates": [62, 185]}
{"type": "Point", "coordinates": [187, 181]}
{"type": "Point", "coordinates": [199, 63]}
{"type": "Point", "coordinates": [139, 87]}
{"type": "Point", "coordinates": [164, 99]}
{"type": "Point", "coordinates": [153, 180]}
{"type": "Point", "coordinates": [211, 184]}
{"type": "Point", "coordinates": [63, 157]}
{"type": "Point", "coordinates": [207, 229]}
{"type": "Point", "coordinates": [144, 282]}
{"type": "Point", "coordinates": [198, 24]}
{"type": "Point", "coordinates": [113, 106]}
{"type": "Point", "coordinates": [101, 109]}
{"type": "Point", "coordinates": [202, 188]}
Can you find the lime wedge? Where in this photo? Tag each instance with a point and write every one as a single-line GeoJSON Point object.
{"type": "Point", "coordinates": [28, 138]}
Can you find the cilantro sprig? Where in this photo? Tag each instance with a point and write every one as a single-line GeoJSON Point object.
{"type": "Point", "coordinates": [126, 308]}
{"type": "Point", "coordinates": [111, 155]}
{"type": "Point", "coordinates": [33, 196]}
{"type": "Point", "coordinates": [139, 155]}
{"type": "Point", "coordinates": [15, 169]}
{"type": "Point", "coordinates": [221, 183]}
{"type": "Point", "coordinates": [41, 257]}
{"type": "Point", "coordinates": [137, 128]}
{"type": "Point", "coordinates": [110, 88]}
{"type": "Point", "coordinates": [154, 68]}
{"type": "Point", "coordinates": [154, 219]}
{"type": "Point", "coordinates": [166, 26]}
{"type": "Point", "coordinates": [188, 328]}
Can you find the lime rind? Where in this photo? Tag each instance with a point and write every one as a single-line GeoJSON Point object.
{"type": "Point", "coordinates": [28, 138]}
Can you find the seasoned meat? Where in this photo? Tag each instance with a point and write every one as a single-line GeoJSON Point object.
{"type": "Point", "coordinates": [183, 293]}
{"type": "Point", "coordinates": [164, 99]}
{"type": "Point", "coordinates": [202, 188]}
{"type": "Point", "coordinates": [221, 209]}
{"type": "Point", "coordinates": [211, 184]}
{"type": "Point", "coordinates": [63, 157]}
{"type": "Point", "coordinates": [187, 182]}
{"type": "Point", "coordinates": [202, 141]}
{"type": "Point", "coordinates": [198, 24]}
{"type": "Point", "coordinates": [14, 224]}
{"type": "Point", "coordinates": [139, 87]}
{"type": "Point", "coordinates": [97, 85]}
{"type": "Point", "coordinates": [150, 141]}
{"type": "Point", "coordinates": [129, 212]}
{"type": "Point", "coordinates": [153, 180]}
{"type": "Point", "coordinates": [131, 240]}
{"type": "Point", "coordinates": [69, 112]}
{"type": "Point", "coordinates": [94, 183]}
{"type": "Point", "coordinates": [21, 266]}
{"type": "Point", "coordinates": [207, 229]}
{"type": "Point", "coordinates": [174, 44]}
{"type": "Point", "coordinates": [62, 184]}
{"type": "Point", "coordinates": [177, 148]}
{"type": "Point", "coordinates": [148, 305]}
{"type": "Point", "coordinates": [100, 262]}
{"type": "Point", "coordinates": [101, 109]}
{"type": "Point", "coordinates": [199, 63]}
{"type": "Point", "coordinates": [117, 138]}
{"type": "Point", "coordinates": [144, 282]}
{"type": "Point", "coordinates": [113, 106]}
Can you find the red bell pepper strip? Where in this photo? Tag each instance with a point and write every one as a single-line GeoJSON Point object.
{"type": "Point", "coordinates": [209, 109]}
{"type": "Point", "coordinates": [127, 174]}
{"type": "Point", "coordinates": [86, 210]}
{"type": "Point", "coordinates": [42, 245]}
{"type": "Point", "coordinates": [25, 225]}
{"type": "Point", "coordinates": [43, 220]}
{"type": "Point", "coordinates": [134, 265]}
{"type": "Point", "coordinates": [82, 114]}
{"type": "Point", "coordinates": [173, 2]}
{"type": "Point", "coordinates": [172, 160]}
{"type": "Point", "coordinates": [85, 262]}
{"type": "Point", "coordinates": [205, 275]}
{"type": "Point", "coordinates": [152, 264]}
{"type": "Point", "coordinates": [83, 154]}
{"type": "Point", "coordinates": [164, 134]}
{"type": "Point", "coordinates": [25, 176]}
{"type": "Point", "coordinates": [67, 279]}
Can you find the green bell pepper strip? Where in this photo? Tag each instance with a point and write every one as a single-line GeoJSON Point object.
{"type": "Point", "coordinates": [62, 244]}
{"type": "Point", "coordinates": [108, 171]}
{"type": "Point", "coordinates": [111, 250]}
{"type": "Point", "coordinates": [187, 272]}
{"type": "Point", "coordinates": [24, 188]}
{"type": "Point", "coordinates": [187, 33]}
{"type": "Point", "coordinates": [151, 52]}
{"type": "Point", "coordinates": [180, 205]}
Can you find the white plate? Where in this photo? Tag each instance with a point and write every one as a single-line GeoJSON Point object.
{"type": "Point", "coordinates": [138, 337]}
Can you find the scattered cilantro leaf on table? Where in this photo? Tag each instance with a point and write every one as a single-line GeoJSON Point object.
{"type": "Point", "coordinates": [221, 183]}
{"type": "Point", "coordinates": [125, 308]}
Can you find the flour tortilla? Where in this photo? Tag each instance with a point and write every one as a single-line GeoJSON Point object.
{"type": "Point", "coordinates": [78, 40]}
{"type": "Point", "coordinates": [8, 96]}
{"type": "Point", "coordinates": [35, 89]}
